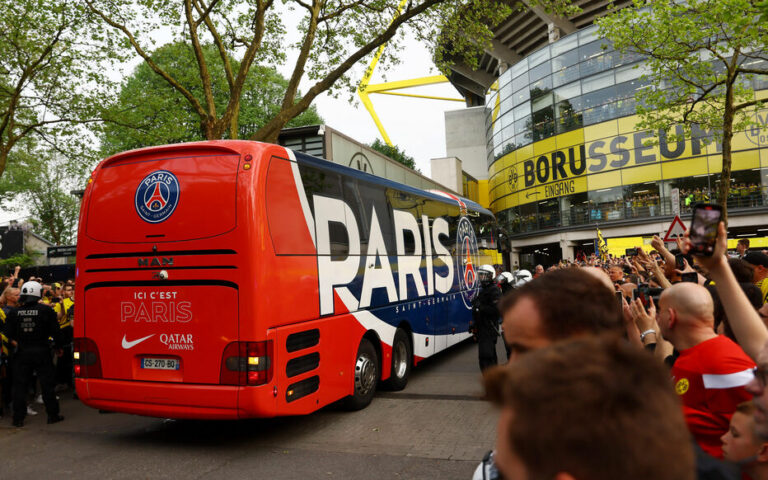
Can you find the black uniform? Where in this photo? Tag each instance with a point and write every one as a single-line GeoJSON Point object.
{"type": "Point", "coordinates": [31, 326]}
{"type": "Point", "coordinates": [485, 323]}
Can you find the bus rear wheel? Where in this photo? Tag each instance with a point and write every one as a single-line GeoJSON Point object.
{"type": "Point", "coordinates": [402, 361]}
{"type": "Point", "coordinates": [366, 372]}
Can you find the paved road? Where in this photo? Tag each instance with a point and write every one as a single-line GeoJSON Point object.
{"type": "Point", "coordinates": [436, 428]}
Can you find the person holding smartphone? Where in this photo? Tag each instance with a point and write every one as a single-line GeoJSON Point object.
{"type": "Point", "coordinates": [747, 326]}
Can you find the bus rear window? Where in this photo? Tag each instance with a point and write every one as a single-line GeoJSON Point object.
{"type": "Point", "coordinates": [162, 199]}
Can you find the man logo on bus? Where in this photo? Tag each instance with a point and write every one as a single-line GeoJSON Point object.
{"type": "Point", "coordinates": [466, 244]}
{"type": "Point", "coordinates": [157, 196]}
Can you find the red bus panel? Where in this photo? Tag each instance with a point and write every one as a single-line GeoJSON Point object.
{"type": "Point", "coordinates": [190, 325]}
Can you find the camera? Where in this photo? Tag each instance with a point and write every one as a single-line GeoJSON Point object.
{"type": "Point", "coordinates": [631, 252]}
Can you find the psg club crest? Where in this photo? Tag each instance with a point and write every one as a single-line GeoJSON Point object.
{"type": "Point", "coordinates": [467, 258]}
{"type": "Point", "coordinates": [157, 196]}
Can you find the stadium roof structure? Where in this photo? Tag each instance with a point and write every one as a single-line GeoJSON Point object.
{"type": "Point", "coordinates": [522, 33]}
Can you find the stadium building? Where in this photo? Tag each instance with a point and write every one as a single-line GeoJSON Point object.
{"type": "Point", "coordinates": [564, 155]}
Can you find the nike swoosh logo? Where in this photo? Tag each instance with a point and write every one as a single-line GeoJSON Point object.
{"type": "Point", "coordinates": [133, 343]}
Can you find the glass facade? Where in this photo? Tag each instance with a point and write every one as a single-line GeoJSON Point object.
{"type": "Point", "coordinates": [563, 148]}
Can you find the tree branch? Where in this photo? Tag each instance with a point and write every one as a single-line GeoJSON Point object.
{"type": "Point", "coordinates": [217, 41]}
{"type": "Point", "coordinates": [204, 15]}
{"type": "Point", "coordinates": [744, 105]}
{"type": "Point", "coordinates": [272, 128]}
{"type": "Point", "coordinates": [301, 61]}
{"type": "Point", "coordinates": [134, 43]}
{"type": "Point", "coordinates": [250, 54]}
{"type": "Point", "coordinates": [205, 76]}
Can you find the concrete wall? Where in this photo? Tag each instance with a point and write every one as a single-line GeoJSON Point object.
{"type": "Point", "coordinates": [447, 171]}
{"type": "Point", "coordinates": [465, 139]}
{"type": "Point", "coordinates": [346, 151]}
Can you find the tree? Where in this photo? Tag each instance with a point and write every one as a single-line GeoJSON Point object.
{"type": "Point", "coordinates": [51, 78]}
{"type": "Point", "coordinates": [149, 111]}
{"type": "Point", "coordinates": [703, 54]}
{"type": "Point", "coordinates": [394, 152]}
{"type": "Point", "coordinates": [331, 37]}
{"type": "Point", "coordinates": [37, 183]}
{"type": "Point", "coordinates": [23, 260]}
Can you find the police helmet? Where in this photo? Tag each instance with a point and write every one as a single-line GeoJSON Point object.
{"type": "Point", "coordinates": [521, 278]}
{"type": "Point", "coordinates": [508, 277]}
{"type": "Point", "coordinates": [485, 274]}
{"type": "Point", "coordinates": [32, 289]}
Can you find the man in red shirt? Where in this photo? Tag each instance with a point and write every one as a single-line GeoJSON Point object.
{"type": "Point", "coordinates": [711, 371]}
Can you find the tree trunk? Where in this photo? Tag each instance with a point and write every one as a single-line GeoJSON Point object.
{"type": "Point", "coordinates": [234, 124]}
{"type": "Point", "coordinates": [725, 176]}
{"type": "Point", "coordinates": [3, 161]}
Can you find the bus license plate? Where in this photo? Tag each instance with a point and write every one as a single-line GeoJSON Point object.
{"type": "Point", "coordinates": [160, 363]}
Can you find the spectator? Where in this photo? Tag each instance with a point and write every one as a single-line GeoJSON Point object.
{"type": "Point", "coordinates": [538, 271]}
{"type": "Point", "coordinates": [557, 306]}
{"type": "Point", "coordinates": [711, 371]}
{"type": "Point", "coordinates": [64, 310]}
{"type": "Point", "coordinates": [9, 299]}
{"type": "Point", "coordinates": [759, 262]}
{"type": "Point", "coordinates": [592, 409]}
{"type": "Point", "coordinates": [742, 446]}
{"type": "Point", "coordinates": [742, 247]}
{"type": "Point", "coordinates": [616, 273]}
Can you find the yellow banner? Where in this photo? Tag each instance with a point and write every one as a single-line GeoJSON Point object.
{"type": "Point", "coordinates": [587, 160]}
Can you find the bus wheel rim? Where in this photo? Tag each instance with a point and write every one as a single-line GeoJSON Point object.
{"type": "Point", "coordinates": [399, 354]}
{"type": "Point", "coordinates": [365, 375]}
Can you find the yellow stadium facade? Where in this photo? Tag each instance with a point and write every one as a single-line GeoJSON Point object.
{"type": "Point", "coordinates": [565, 155]}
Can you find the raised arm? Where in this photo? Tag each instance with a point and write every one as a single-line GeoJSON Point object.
{"type": "Point", "coordinates": [749, 329]}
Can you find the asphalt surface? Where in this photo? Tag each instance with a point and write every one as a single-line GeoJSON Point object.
{"type": "Point", "coordinates": [437, 428]}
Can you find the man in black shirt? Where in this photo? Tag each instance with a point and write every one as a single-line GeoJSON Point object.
{"type": "Point", "coordinates": [29, 328]}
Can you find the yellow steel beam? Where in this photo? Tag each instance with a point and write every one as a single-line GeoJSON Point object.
{"type": "Point", "coordinates": [400, 84]}
{"type": "Point", "coordinates": [428, 97]}
{"type": "Point", "coordinates": [361, 90]}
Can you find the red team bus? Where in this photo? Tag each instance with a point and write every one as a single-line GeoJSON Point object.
{"type": "Point", "coordinates": [235, 279]}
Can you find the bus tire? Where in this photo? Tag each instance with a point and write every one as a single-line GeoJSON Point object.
{"type": "Point", "coordinates": [402, 361]}
{"type": "Point", "coordinates": [366, 376]}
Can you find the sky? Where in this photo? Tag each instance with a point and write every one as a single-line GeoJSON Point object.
{"type": "Point", "coordinates": [416, 126]}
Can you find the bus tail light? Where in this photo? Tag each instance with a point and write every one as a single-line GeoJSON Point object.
{"type": "Point", "coordinates": [86, 358]}
{"type": "Point", "coordinates": [247, 363]}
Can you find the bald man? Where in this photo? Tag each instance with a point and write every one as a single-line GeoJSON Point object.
{"type": "Point", "coordinates": [711, 372]}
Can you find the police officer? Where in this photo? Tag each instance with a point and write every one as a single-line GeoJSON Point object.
{"type": "Point", "coordinates": [506, 282]}
{"type": "Point", "coordinates": [485, 316]}
{"type": "Point", "coordinates": [29, 327]}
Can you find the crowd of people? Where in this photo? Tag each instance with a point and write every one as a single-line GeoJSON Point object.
{"type": "Point", "coordinates": [652, 365]}
{"type": "Point", "coordinates": [36, 334]}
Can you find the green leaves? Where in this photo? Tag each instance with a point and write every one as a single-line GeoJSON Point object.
{"type": "Point", "coordinates": [148, 111]}
{"type": "Point", "coordinates": [395, 153]}
{"type": "Point", "coordinates": [52, 66]}
{"type": "Point", "coordinates": [702, 56]}
{"type": "Point", "coordinates": [38, 184]}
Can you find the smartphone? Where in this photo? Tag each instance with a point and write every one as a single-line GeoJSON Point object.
{"type": "Point", "coordinates": [679, 261]}
{"type": "Point", "coordinates": [631, 252]}
{"type": "Point", "coordinates": [619, 297]}
{"type": "Point", "coordinates": [706, 217]}
{"type": "Point", "coordinates": [692, 277]}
